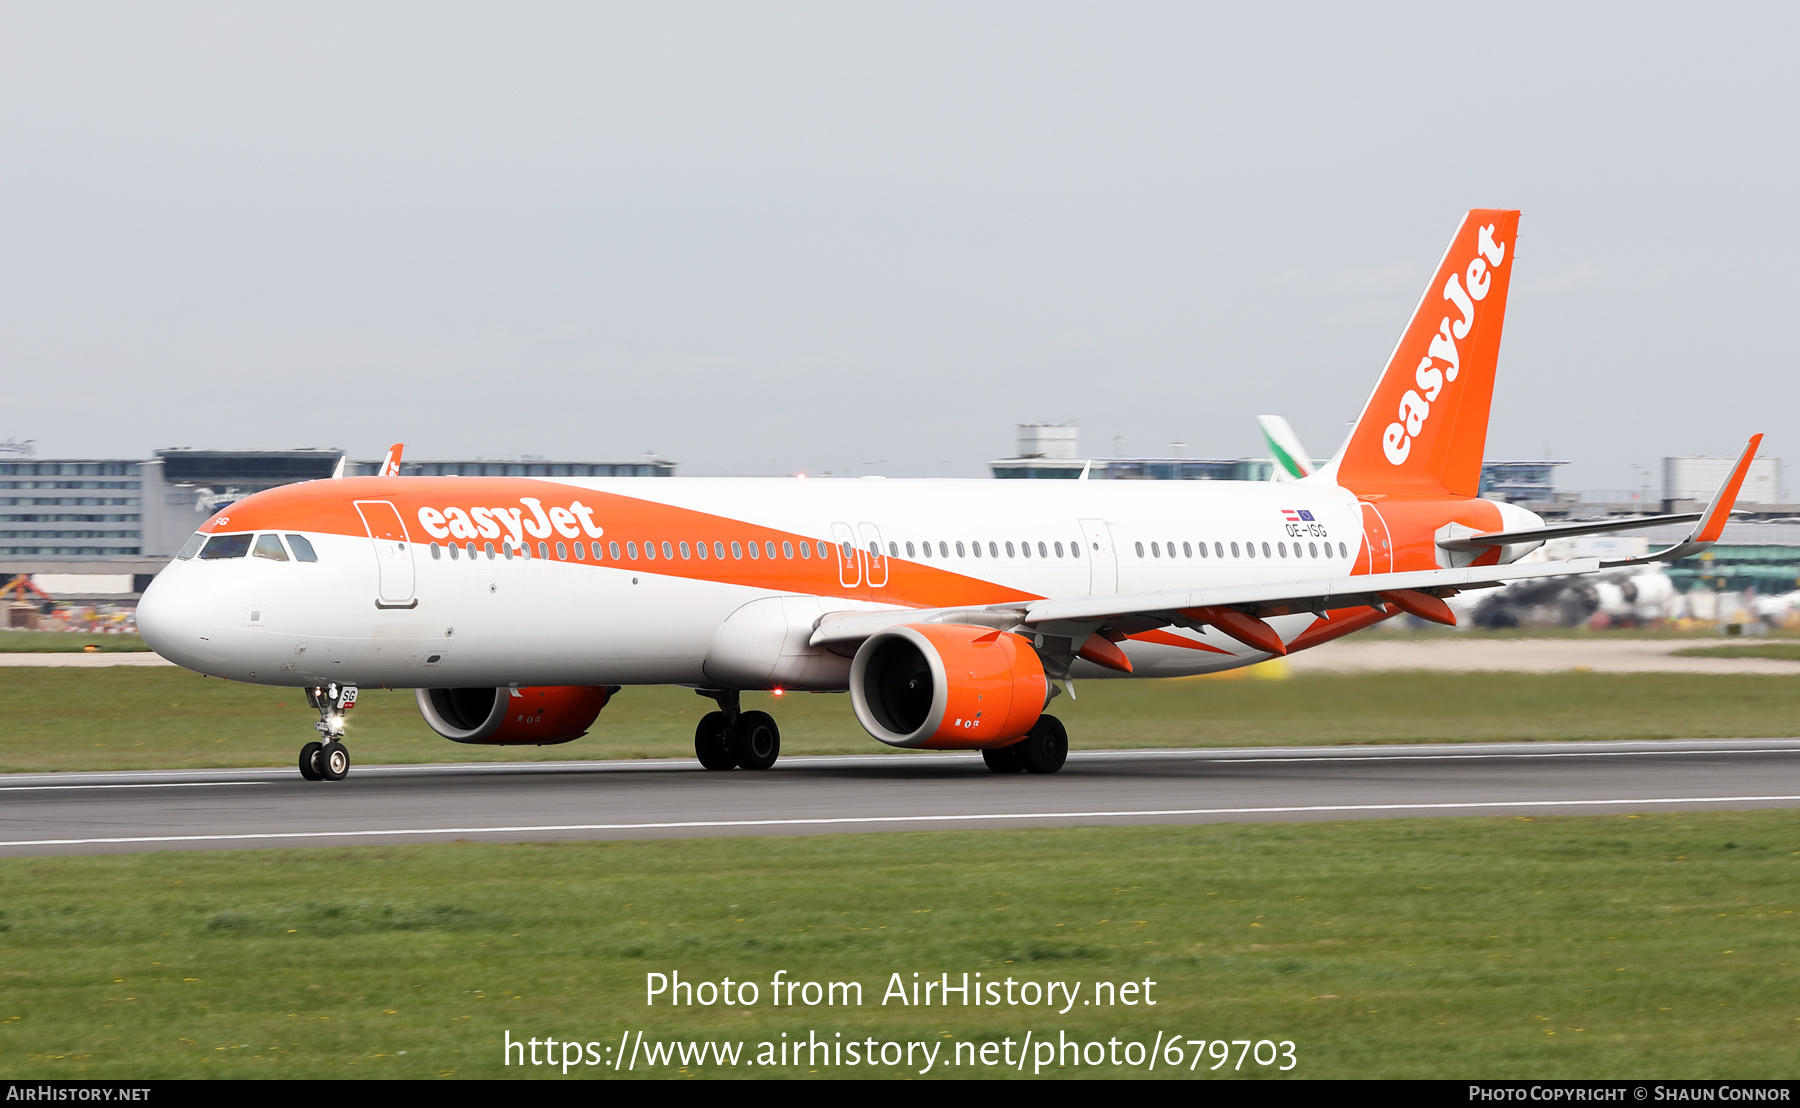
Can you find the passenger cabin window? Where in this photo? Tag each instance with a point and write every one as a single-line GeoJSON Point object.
{"type": "Point", "coordinates": [192, 546]}
{"type": "Point", "coordinates": [455, 552]}
{"type": "Point", "coordinates": [225, 546]}
{"type": "Point", "coordinates": [787, 549]}
{"type": "Point", "coordinates": [751, 549]}
{"type": "Point", "coordinates": [1140, 549]}
{"type": "Point", "coordinates": [806, 549]}
{"type": "Point", "coordinates": [436, 554]}
{"type": "Point", "coordinates": [1074, 550]}
{"type": "Point", "coordinates": [612, 551]}
{"type": "Point", "coordinates": [269, 546]}
{"type": "Point", "coordinates": [563, 552]}
{"type": "Point", "coordinates": [668, 551]}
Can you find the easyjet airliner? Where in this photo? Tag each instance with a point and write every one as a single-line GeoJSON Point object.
{"type": "Point", "coordinates": [949, 610]}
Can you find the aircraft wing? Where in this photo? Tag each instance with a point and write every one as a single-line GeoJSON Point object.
{"type": "Point", "coordinates": [1131, 612]}
{"type": "Point", "coordinates": [1711, 523]}
{"type": "Point", "coordinates": [1567, 530]}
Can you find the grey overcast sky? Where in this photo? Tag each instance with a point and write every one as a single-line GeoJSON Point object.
{"type": "Point", "coordinates": [872, 237]}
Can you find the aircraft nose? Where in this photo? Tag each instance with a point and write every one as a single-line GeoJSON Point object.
{"type": "Point", "coordinates": [175, 619]}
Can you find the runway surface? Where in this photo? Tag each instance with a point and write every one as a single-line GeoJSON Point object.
{"type": "Point", "coordinates": [75, 813]}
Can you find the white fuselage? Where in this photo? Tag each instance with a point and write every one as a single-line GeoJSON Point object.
{"type": "Point", "coordinates": [498, 620]}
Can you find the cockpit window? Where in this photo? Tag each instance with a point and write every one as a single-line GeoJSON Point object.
{"type": "Point", "coordinates": [269, 546]}
{"type": "Point", "coordinates": [303, 549]}
{"type": "Point", "coordinates": [192, 546]}
{"type": "Point", "coordinates": [226, 546]}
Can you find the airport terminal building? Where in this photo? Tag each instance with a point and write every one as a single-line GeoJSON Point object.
{"type": "Point", "coordinates": [97, 529]}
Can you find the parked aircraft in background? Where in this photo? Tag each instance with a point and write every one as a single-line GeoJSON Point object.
{"type": "Point", "coordinates": [949, 609]}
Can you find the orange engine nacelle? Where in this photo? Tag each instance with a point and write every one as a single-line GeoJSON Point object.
{"type": "Point", "coordinates": [947, 686]}
{"type": "Point", "coordinates": [513, 717]}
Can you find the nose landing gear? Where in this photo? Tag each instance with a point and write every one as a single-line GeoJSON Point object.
{"type": "Point", "coordinates": [329, 760]}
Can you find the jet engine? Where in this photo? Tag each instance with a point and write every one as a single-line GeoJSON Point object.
{"type": "Point", "coordinates": [513, 717]}
{"type": "Point", "coordinates": [947, 686]}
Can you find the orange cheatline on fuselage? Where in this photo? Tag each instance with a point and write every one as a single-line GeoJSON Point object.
{"type": "Point", "coordinates": [530, 511]}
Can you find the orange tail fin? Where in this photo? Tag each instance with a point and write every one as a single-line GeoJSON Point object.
{"type": "Point", "coordinates": [1425, 427]}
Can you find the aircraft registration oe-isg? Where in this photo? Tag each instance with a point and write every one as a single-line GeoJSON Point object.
{"type": "Point", "coordinates": [949, 609]}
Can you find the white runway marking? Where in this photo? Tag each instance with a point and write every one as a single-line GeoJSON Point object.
{"type": "Point", "coordinates": [855, 820]}
{"type": "Point", "coordinates": [1474, 757]}
{"type": "Point", "coordinates": [145, 785]}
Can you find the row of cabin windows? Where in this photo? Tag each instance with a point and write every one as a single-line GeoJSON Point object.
{"type": "Point", "coordinates": [650, 551]}
{"type": "Point", "coordinates": [1022, 550]}
{"type": "Point", "coordinates": [217, 547]}
{"type": "Point", "coordinates": [738, 551]}
{"type": "Point", "coordinates": [1280, 550]}
{"type": "Point", "coordinates": [270, 546]}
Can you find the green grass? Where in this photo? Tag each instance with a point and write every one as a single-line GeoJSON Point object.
{"type": "Point", "coordinates": [1785, 651]}
{"type": "Point", "coordinates": [1653, 947]}
{"type": "Point", "coordinates": [67, 642]}
{"type": "Point", "coordinates": [162, 717]}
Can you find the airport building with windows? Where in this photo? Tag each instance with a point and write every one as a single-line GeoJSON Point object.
{"type": "Point", "coordinates": [98, 529]}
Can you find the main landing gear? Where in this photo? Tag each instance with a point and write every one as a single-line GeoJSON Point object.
{"type": "Point", "coordinates": [329, 760]}
{"type": "Point", "coordinates": [1044, 749]}
{"type": "Point", "coordinates": [729, 738]}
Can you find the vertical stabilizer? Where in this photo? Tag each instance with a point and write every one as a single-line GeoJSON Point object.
{"type": "Point", "coordinates": [1425, 426]}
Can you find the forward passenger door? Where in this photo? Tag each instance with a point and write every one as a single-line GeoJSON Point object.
{"type": "Point", "coordinates": [393, 553]}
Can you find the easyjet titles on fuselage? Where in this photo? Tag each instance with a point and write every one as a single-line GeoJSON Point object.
{"type": "Point", "coordinates": [488, 523]}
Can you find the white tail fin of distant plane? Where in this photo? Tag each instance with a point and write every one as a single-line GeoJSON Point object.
{"type": "Point", "coordinates": [1292, 462]}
